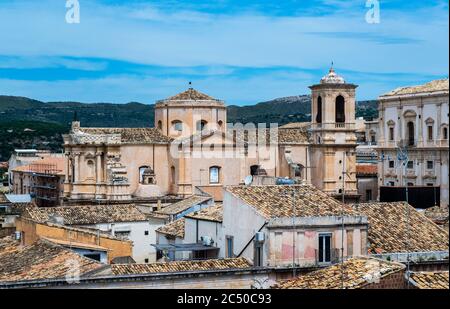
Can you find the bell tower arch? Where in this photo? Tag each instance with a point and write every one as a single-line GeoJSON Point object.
{"type": "Point", "coordinates": [334, 136]}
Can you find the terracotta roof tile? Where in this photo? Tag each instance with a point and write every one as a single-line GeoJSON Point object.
{"type": "Point", "coordinates": [211, 213]}
{"type": "Point", "coordinates": [183, 205]}
{"type": "Point", "coordinates": [180, 266]}
{"type": "Point", "coordinates": [388, 232]}
{"type": "Point", "coordinates": [132, 135]}
{"type": "Point", "coordinates": [276, 201]}
{"type": "Point", "coordinates": [358, 272]}
{"type": "Point", "coordinates": [47, 165]}
{"type": "Point", "coordinates": [366, 169]}
{"type": "Point", "coordinates": [92, 214]}
{"type": "Point", "coordinates": [191, 94]}
{"type": "Point", "coordinates": [175, 228]}
{"type": "Point", "coordinates": [41, 260]}
{"type": "Point", "coordinates": [430, 280]}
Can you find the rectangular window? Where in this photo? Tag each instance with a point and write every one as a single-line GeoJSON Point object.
{"type": "Point", "coordinates": [214, 175]}
{"type": "Point", "coordinates": [430, 165]}
{"type": "Point", "coordinates": [430, 133]}
{"type": "Point", "coordinates": [324, 248]}
{"type": "Point", "coordinates": [368, 195]}
{"type": "Point", "coordinates": [391, 134]}
{"type": "Point", "coordinates": [391, 183]}
{"type": "Point", "coordinates": [410, 165]}
{"type": "Point", "coordinates": [391, 164]}
{"type": "Point", "coordinates": [257, 261]}
{"type": "Point", "coordinates": [229, 248]}
{"type": "Point", "coordinates": [122, 234]}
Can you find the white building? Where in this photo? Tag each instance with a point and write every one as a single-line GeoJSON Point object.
{"type": "Point", "coordinates": [198, 235]}
{"type": "Point", "coordinates": [121, 220]}
{"type": "Point", "coordinates": [282, 225]}
{"type": "Point", "coordinates": [417, 118]}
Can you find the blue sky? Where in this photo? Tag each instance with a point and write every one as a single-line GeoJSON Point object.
{"type": "Point", "coordinates": [243, 51]}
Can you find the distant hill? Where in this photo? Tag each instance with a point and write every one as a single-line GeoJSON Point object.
{"type": "Point", "coordinates": [281, 110]}
{"type": "Point", "coordinates": [47, 120]}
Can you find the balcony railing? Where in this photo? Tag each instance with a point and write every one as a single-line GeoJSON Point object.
{"type": "Point", "coordinates": [333, 126]}
{"type": "Point", "coordinates": [334, 256]}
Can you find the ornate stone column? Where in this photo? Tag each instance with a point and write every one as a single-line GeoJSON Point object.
{"type": "Point", "coordinates": [77, 167]}
{"type": "Point", "coordinates": [67, 168]}
{"type": "Point", "coordinates": [99, 173]}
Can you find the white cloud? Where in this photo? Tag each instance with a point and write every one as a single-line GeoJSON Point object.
{"type": "Point", "coordinates": [150, 36]}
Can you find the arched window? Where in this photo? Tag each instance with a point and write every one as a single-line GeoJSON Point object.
{"type": "Point", "coordinates": [445, 133]}
{"type": "Point", "coordinates": [177, 126]}
{"type": "Point", "coordinates": [340, 109]}
{"type": "Point", "coordinates": [172, 175]}
{"type": "Point", "coordinates": [160, 125]}
{"type": "Point", "coordinates": [220, 124]}
{"type": "Point", "coordinates": [319, 110]}
{"type": "Point", "coordinates": [90, 169]}
{"type": "Point", "coordinates": [410, 133]}
{"type": "Point", "coordinates": [201, 125]}
{"type": "Point", "coordinates": [214, 174]}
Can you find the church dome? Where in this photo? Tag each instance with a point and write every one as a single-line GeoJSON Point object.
{"type": "Point", "coordinates": [332, 78]}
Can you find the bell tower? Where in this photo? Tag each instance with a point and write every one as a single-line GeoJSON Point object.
{"type": "Point", "coordinates": [333, 150]}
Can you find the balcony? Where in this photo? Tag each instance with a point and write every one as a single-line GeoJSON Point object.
{"type": "Point", "coordinates": [334, 257]}
{"type": "Point", "coordinates": [333, 126]}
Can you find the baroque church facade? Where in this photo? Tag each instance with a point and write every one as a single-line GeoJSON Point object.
{"type": "Point", "coordinates": [193, 149]}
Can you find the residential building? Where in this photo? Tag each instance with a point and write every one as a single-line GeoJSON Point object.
{"type": "Point", "coordinates": [366, 175]}
{"type": "Point", "coordinates": [198, 235]}
{"type": "Point", "coordinates": [41, 261]}
{"type": "Point", "coordinates": [170, 236]}
{"type": "Point", "coordinates": [94, 244]}
{"type": "Point", "coordinates": [43, 179]}
{"type": "Point", "coordinates": [415, 120]}
{"type": "Point", "coordinates": [285, 225]}
{"type": "Point", "coordinates": [121, 220]}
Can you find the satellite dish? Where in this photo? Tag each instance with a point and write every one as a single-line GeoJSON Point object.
{"type": "Point", "coordinates": [248, 180]}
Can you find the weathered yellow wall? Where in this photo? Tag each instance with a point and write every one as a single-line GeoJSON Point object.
{"type": "Point", "coordinates": [32, 231]}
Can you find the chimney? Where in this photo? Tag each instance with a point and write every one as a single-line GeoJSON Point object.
{"type": "Point", "coordinates": [158, 205]}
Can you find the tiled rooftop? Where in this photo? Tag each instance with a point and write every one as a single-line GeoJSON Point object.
{"type": "Point", "coordinates": [41, 260]}
{"type": "Point", "coordinates": [180, 266]}
{"type": "Point", "coordinates": [175, 228]}
{"type": "Point", "coordinates": [47, 165]}
{"type": "Point", "coordinates": [430, 280]}
{"type": "Point", "coordinates": [277, 201]}
{"type": "Point", "coordinates": [296, 125]}
{"type": "Point", "coordinates": [211, 213]}
{"type": "Point", "coordinates": [435, 85]}
{"type": "Point", "coordinates": [274, 136]}
{"type": "Point", "coordinates": [183, 205]}
{"type": "Point", "coordinates": [92, 214]}
{"type": "Point", "coordinates": [132, 135]}
{"type": "Point", "coordinates": [366, 169]}
{"type": "Point", "coordinates": [191, 94]}
{"type": "Point", "coordinates": [358, 272]}
{"type": "Point", "coordinates": [389, 232]}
